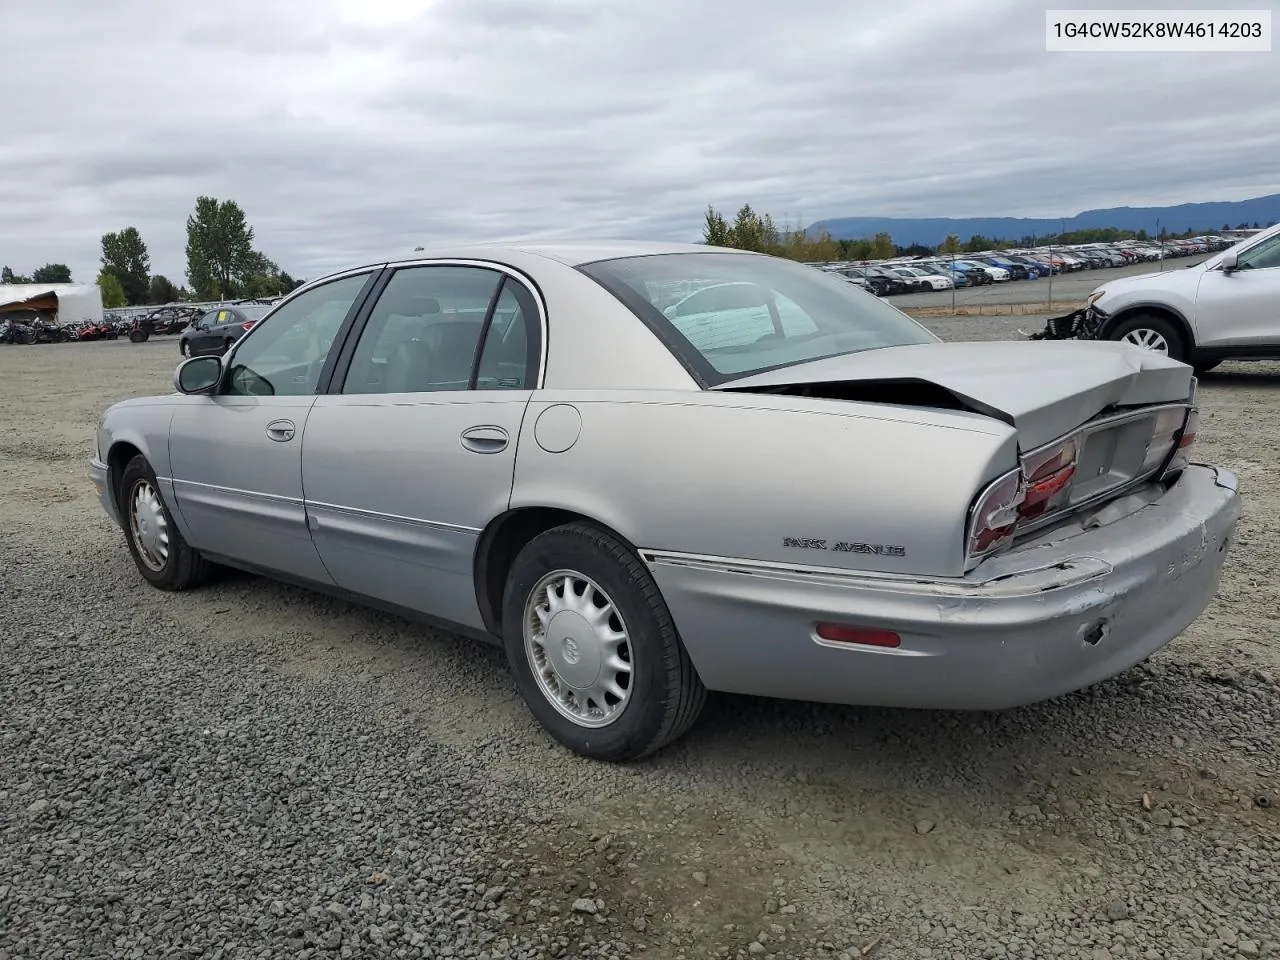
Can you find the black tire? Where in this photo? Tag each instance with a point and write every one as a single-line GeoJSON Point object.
{"type": "Point", "coordinates": [183, 567]}
{"type": "Point", "coordinates": [184, 348]}
{"type": "Point", "coordinates": [1173, 337]}
{"type": "Point", "coordinates": [138, 336]}
{"type": "Point", "coordinates": [665, 694]}
{"type": "Point", "coordinates": [227, 346]}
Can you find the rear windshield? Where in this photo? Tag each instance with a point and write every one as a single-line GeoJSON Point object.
{"type": "Point", "coordinates": [731, 315]}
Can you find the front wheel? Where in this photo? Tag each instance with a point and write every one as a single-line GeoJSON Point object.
{"type": "Point", "coordinates": [1151, 332]}
{"type": "Point", "coordinates": [184, 348]}
{"type": "Point", "coordinates": [163, 557]}
{"type": "Point", "coordinates": [593, 648]}
{"type": "Point", "coordinates": [138, 336]}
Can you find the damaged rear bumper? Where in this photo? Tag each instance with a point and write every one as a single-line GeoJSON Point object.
{"type": "Point", "coordinates": [1055, 615]}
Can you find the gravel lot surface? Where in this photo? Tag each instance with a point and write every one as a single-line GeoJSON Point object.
{"type": "Point", "coordinates": [1068, 288]}
{"type": "Point", "coordinates": [250, 770]}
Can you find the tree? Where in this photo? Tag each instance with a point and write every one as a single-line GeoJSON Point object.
{"type": "Point", "coordinates": [882, 247]}
{"type": "Point", "coordinates": [950, 246]}
{"type": "Point", "coordinates": [977, 243]}
{"type": "Point", "coordinates": [113, 294]}
{"type": "Point", "coordinates": [52, 273]}
{"type": "Point", "coordinates": [8, 276]}
{"type": "Point", "coordinates": [162, 290]}
{"type": "Point", "coordinates": [125, 256]}
{"type": "Point", "coordinates": [220, 252]}
{"type": "Point", "coordinates": [715, 230]}
{"type": "Point", "coordinates": [855, 249]}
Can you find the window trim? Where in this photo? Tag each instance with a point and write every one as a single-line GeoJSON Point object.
{"type": "Point", "coordinates": [538, 352]}
{"type": "Point", "coordinates": [326, 371]}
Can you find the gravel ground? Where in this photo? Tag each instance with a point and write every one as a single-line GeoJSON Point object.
{"type": "Point", "coordinates": [250, 770]}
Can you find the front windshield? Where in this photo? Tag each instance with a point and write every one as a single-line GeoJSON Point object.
{"type": "Point", "coordinates": [730, 315]}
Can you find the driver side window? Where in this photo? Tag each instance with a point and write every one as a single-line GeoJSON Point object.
{"type": "Point", "coordinates": [1265, 255]}
{"type": "Point", "coordinates": [284, 354]}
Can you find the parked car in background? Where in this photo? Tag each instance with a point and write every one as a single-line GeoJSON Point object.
{"type": "Point", "coordinates": [218, 329]}
{"type": "Point", "coordinates": [881, 281]}
{"type": "Point", "coordinates": [916, 281]}
{"type": "Point", "coordinates": [1225, 308]}
{"type": "Point", "coordinates": [976, 273]}
{"type": "Point", "coordinates": [601, 457]}
{"type": "Point", "coordinates": [923, 279]}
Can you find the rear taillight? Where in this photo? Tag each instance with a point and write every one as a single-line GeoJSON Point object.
{"type": "Point", "coordinates": [995, 515]}
{"type": "Point", "coordinates": [1048, 475]}
{"type": "Point", "coordinates": [1190, 430]}
{"type": "Point", "coordinates": [247, 325]}
{"type": "Point", "coordinates": [1042, 485]}
{"type": "Point", "coordinates": [1164, 437]}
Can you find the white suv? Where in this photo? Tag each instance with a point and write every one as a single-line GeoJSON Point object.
{"type": "Point", "coordinates": [1224, 308]}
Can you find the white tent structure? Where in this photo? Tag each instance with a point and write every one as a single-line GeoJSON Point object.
{"type": "Point", "coordinates": [69, 302]}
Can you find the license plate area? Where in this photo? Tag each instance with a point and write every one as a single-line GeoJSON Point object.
{"type": "Point", "coordinates": [1110, 457]}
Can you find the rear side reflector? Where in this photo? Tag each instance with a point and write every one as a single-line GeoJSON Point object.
{"type": "Point", "coordinates": [844, 633]}
{"type": "Point", "coordinates": [248, 325]}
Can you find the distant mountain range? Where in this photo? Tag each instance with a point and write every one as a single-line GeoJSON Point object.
{"type": "Point", "coordinates": [932, 231]}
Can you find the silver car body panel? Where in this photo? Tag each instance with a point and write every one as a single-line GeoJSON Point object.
{"type": "Point", "coordinates": [759, 513]}
{"type": "Point", "coordinates": [681, 471]}
{"type": "Point", "coordinates": [397, 501]}
{"type": "Point", "coordinates": [239, 489]}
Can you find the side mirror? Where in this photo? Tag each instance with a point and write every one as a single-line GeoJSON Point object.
{"type": "Point", "coordinates": [1228, 262]}
{"type": "Point", "coordinates": [198, 375]}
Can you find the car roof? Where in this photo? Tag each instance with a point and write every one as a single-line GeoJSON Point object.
{"type": "Point", "coordinates": [572, 253]}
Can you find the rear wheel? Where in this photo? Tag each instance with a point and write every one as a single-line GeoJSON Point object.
{"type": "Point", "coordinates": [163, 557]}
{"type": "Point", "coordinates": [592, 646]}
{"type": "Point", "coordinates": [1151, 332]}
{"type": "Point", "coordinates": [184, 348]}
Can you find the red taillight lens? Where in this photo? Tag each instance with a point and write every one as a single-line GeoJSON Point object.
{"type": "Point", "coordinates": [248, 325]}
{"type": "Point", "coordinates": [845, 633]}
{"type": "Point", "coordinates": [995, 515]}
{"type": "Point", "coordinates": [1048, 474]}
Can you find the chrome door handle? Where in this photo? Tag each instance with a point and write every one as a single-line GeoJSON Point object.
{"type": "Point", "coordinates": [281, 431]}
{"type": "Point", "coordinates": [485, 439]}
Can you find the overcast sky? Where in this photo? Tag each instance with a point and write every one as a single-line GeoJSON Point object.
{"type": "Point", "coordinates": [351, 128]}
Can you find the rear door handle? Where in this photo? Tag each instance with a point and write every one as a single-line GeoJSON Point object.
{"type": "Point", "coordinates": [485, 439]}
{"type": "Point", "coordinates": [281, 431]}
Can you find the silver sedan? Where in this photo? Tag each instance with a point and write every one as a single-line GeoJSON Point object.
{"type": "Point", "coordinates": [650, 470]}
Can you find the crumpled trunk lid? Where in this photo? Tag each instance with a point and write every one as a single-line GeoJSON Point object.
{"type": "Point", "coordinates": [1043, 389]}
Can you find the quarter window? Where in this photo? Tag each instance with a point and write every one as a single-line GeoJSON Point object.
{"type": "Point", "coordinates": [284, 354]}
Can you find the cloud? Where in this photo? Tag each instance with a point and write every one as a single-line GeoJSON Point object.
{"type": "Point", "coordinates": [349, 128]}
